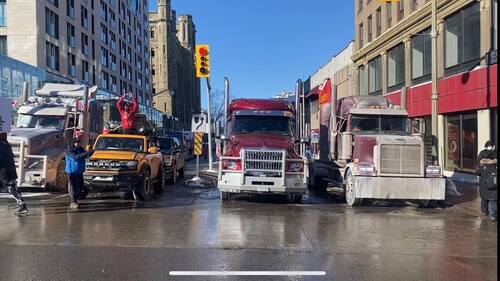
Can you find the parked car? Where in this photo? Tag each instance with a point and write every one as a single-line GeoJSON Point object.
{"type": "Point", "coordinates": [174, 157]}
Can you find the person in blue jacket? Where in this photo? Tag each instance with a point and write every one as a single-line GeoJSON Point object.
{"type": "Point", "coordinates": [75, 166]}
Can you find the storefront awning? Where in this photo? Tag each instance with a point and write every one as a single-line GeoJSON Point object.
{"type": "Point", "coordinates": [313, 91]}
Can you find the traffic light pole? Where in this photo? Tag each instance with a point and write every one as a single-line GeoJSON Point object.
{"type": "Point", "coordinates": [209, 122]}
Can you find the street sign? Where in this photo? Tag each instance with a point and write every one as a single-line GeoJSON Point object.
{"type": "Point", "coordinates": [197, 143]}
{"type": "Point", "coordinates": [199, 123]}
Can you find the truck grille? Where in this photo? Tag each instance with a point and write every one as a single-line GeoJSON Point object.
{"type": "Point", "coordinates": [401, 159]}
{"type": "Point", "coordinates": [107, 165]}
{"type": "Point", "coordinates": [264, 160]}
{"type": "Point", "coordinates": [16, 150]}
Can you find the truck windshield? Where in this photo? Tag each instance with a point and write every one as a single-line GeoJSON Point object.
{"type": "Point", "coordinates": [125, 144]}
{"type": "Point", "coordinates": [378, 123]}
{"type": "Point", "coordinates": [32, 121]}
{"type": "Point", "coordinates": [278, 125]}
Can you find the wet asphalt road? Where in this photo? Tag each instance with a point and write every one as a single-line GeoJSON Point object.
{"type": "Point", "coordinates": [190, 229]}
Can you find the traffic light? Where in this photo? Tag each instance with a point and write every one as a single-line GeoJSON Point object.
{"type": "Point", "coordinates": [202, 61]}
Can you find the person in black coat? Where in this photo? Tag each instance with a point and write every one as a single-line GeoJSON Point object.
{"type": "Point", "coordinates": [487, 172]}
{"type": "Point", "coordinates": [8, 174]}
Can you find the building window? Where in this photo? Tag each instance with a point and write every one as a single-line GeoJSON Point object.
{"type": "Point", "coordinates": [401, 9]}
{"type": "Point", "coordinates": [414, 5]}
{"type": "Point", "coordinates": [71, 35]}
{"type": "Point", "coordinates": [112, 40]}
{"type": "Point", "coordinates": [113, 83]}
{"type": "Point", "coordinates": [51, 23]}
{"type": "Point", "coordinates": [461, 142]}
{"type": "Point", "coordinates": [104, 80]}
{"type": "Point", "coordinates": [104, 34]}
{"type": "Point", "coordinates": [152, 33]}
{"type": "Point", "coordinates": [389, 14]}
{"type": "Point", "coordinates": [379, 22]}
{"type": "Point", "coordinates": [375, 76]}
{"type": "Point", "coordinates": [112, 20]}
{"type": "Point", "coordinates": [396, 67]}
{"type": "Point", "coordinates": [3, 13]}
{"type": "Point", "coordinates": [54, 2]}
{"type": "Point", "coordinates": [3, 45]}
{"type": "Point", "coordinates": [361, 43]}
{"type": "Point", "coordinates": [104, 11]}
{"type": "Point", "coordinates": [71, 65]}
{"type": "Point", "coordinates": [85, 71]}
{"type": "Point", "coordinates": [361, 80]}
{"type": "Point", "coordinates": [153, 70]}
{"type": "Point", "coordinates": [462, 39]}
{"type": "Point", "coordinates": [152, 52]}
{"type": "Point", "coordinates": [52, 56]}
{"type": "Point", "coordinates": [369, 29]}
{"type": "Point", "coordinates": [421, 56]}
{"type": "Point", "coordinates": [104, 56]}
{"type": "Point", "coordinates": [360, 5]}
{"type": "Point", "coordinates": [70, 8]}
{"type": "Point", "coordinates": [85, 18]}
{"type": "Point", "coordinates": [113, 61]}
{"type": "Point", "coordinates": [85, 44]}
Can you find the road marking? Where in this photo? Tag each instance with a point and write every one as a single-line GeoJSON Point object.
{"type": "Point", "coordinates": [243, 273]}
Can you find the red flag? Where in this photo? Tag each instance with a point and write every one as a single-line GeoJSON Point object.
{"type": "Point", "coordinates": [325, 92]}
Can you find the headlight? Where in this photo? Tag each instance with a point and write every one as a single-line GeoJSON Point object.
{"type": "Point", "coordinates": [433, 170]}
{"type": "Point", "coordinates": [168, 160]}
{"type": "Point", "coordinates": [295, 167]}
{"type": "Point", "coordinates": [366, 169]}
{"type": "Point", "coordinates": [230, 164]}
{"type": "Point", "coordinates": [131, 165]}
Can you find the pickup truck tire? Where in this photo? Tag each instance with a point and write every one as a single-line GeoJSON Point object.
{"type": "Point", "coordinates": [225, 196]}
{"type": "Point", "coordinates": [173, 177]}
{"type": "Point", "coordinates": [350, 191]}
{"type": "Point", "coordinates": [182, 171]}
{"type": "Point", "coordinates": [141, 191]}
{"type": "Point", "coordinates": [160, 184]}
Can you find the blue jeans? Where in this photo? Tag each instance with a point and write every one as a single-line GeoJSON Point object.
{"type": "Point", "coordinates": [489, 207]}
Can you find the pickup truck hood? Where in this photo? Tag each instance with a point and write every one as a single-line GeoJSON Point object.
{"type": "Point", "coordinates": [262, 141]}
{"type": "Point", "coordinates": [113, 154]}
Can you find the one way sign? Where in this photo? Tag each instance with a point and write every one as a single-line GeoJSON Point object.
{"type": "Point", "coordinates": [199, 123]}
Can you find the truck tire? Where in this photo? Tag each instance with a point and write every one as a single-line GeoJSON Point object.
{"type": "Point", "coordinates": [173, 177]}
{"type": "Point", "coordinates": [61, 180]}
{"type": "Point", "coordinates": [427, 203]}
{"type": "Point", "coordinates": [350, 191]}
{"type": "Point", "coordinates": [160, 184]}
{"type": "Point", "coordinates": [182, 171]}
{"type": "Point", "coordinates": [296, 198]}
{"type": "Point", "coordinates": [225, 196]}
{"type": "Point", "coordinates": [141, 191]}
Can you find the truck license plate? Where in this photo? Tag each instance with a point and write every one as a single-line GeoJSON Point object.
{"type": "Point", "coordinates": [263, 188]}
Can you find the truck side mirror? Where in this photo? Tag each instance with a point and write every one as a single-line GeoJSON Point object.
{"type": "Point", "coordinates": [304, 140]}
{"type": "Point", "coordinates": [224, 137]}
{"type": "Point", "coordinates": [153, 150]}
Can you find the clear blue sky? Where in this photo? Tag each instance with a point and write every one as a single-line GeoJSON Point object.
{"type": "Point", "coordinates": [264, 46]}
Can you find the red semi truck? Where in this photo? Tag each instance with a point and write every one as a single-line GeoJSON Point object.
{"type": "Point", "coordinates": [260, 150]}
{"type": "Point", "coordinates": [365, 147]}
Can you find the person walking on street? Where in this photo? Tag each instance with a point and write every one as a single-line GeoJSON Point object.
{"type": "Point", "coordinates": [487, 172]}
{"type": "Point", "coordinates": [75, 166]}
{"type": "Point", "coordinates": [8, 174]}
{"type": "Point", "coordinates": [127, 114]}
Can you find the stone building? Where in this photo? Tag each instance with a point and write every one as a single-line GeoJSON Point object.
{"type": "Point", "coordinates": [175, 88]}
{"type": "Point", "coordinates": [393, 50]}
{"type": "Point", "coordinates": [104, 43]}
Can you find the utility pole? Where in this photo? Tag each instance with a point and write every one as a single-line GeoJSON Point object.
{"type": "Point", "coordinates": [434, 93]}
{"type": "Point", "coordinates": [209, 123]}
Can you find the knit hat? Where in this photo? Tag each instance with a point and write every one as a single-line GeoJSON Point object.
{"type": "Point", "coordinates": [488, 143]}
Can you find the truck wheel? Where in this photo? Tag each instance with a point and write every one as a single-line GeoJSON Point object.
{"type": "Point", "coordinates": [61, 181]}
{"type": "Point", "coordinates": [160, 184]}
{"type": "Point", "coordinates": [182, 171]}
{"type": "Point", "coordinates": [173, 177]}
{"type": "Point", "coordinates": [225, 196]}
{"type": "Point", "coordinates": [141, 191]}
{"type": "Point", "coordinates": [350, 191]}
{"type": "Point", "coordinates": [296, 198]}
{"type": "Point", "coordinates": [427, 203]}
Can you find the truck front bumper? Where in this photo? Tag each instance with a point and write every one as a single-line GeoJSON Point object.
{"type": "Point", "coordinates": [232, 182]}
{"type": "Point", "coordinates": [400, 188]}
{"type": "Point", "coordinates": [112, 181]}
